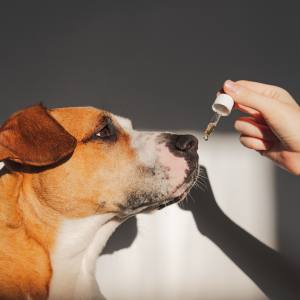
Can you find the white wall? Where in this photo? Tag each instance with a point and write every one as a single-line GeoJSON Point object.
{"type": "Point", "coordinates": [171, 260]}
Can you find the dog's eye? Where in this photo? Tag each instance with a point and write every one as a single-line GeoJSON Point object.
{"type": "Point", "coordinates": [104, 132]}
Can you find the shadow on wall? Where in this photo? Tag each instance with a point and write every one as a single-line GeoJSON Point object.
{"type": "Point", "coordinates": [271, 271]}
{"type": "Point", "coordinates": [123, 237]}
{"type": "Point", "coordinates": [288, 212]}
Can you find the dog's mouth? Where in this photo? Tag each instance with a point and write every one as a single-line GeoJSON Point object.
{"type": "Point", "coordinates": [147, 203]}
{"type": "Point", "coordinates": [186, 186]}
{"type": "Point", "coordinates": [175, 200]}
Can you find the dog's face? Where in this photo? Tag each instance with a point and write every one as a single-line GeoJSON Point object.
{"type": "Point", "coordinates": [114, 168]}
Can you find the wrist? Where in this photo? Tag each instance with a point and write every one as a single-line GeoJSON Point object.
{"type": "Point", "coordinates": [211, 223]}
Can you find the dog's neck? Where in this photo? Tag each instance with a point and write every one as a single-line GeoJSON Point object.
{"type": "Point", "coordinates": [78, 246]}
{"type": "Point", "coordinates": [73, 246]}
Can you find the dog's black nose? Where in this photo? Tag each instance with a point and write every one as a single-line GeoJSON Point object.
{"type": "Point", "coordinates": [186, 142]}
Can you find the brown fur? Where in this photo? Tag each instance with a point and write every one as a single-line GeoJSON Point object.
{"type": "Point", "coordinates": [33, 137]}
{"type": "Point", "coordinates": [58, 179]}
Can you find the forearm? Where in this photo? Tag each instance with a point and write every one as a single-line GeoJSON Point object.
{"type": "Point", "coordinates": [273, 274]}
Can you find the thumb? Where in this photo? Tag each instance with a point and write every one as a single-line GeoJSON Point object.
{"type": "Point", "coordinates": [250, 98]}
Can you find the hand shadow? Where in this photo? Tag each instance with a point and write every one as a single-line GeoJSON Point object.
{"type": "Point", "coordinates": [123, 237]}
{"type": "Point", "coordinates": [273, 273]}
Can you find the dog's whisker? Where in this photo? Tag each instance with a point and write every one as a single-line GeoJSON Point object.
{"type": "Point", "coordinates": [199, 187]}
{"type": "Point", "coordinates": [200, 182]}
{"type": "Point", "coordinates": [126, 110]}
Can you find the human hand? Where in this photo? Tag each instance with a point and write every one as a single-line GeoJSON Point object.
{"type": "Point", "coordinates": [274, 129]}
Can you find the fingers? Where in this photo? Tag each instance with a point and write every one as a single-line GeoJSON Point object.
{"type": "Point", "coordinates": [244, 108]}
{"type": "Point", "coordinates": [255, 136]}
{"type": "Point", "coordinates": [255, 144]}
{"type": "Point", "coordinates": [250, 98]}
{"type": "Point", "coordinates": [270, 91]}
{"type": "Point", "coordinates": [249, 127]}
{"type": "Point", "coordinates": [258, 117]}
{"type": "Point", "coordinates": [260, 88]}
{"type": "Point", "coordinates": [239, 106]}
{"type": "Point", "coordinates": [260, 120]}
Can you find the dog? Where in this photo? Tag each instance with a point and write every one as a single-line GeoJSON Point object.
{"type": "Point", "coordinates": [70, 177]}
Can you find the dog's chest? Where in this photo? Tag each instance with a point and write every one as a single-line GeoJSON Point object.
{"type": "Point", "coordinates": [79, 244]}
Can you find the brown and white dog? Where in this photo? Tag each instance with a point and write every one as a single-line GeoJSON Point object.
{"type": "Point", "coordinates": [71, 176]}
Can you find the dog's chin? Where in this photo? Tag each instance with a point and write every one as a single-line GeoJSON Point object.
{"type": "Point", "coordinates": [182, 191]}
{"type": "Point", "coordinates": [169, 201]}
{"type": "Point", "coordinates": [175, 200]}
{"type": "Point", "coordinates": [178, 195]}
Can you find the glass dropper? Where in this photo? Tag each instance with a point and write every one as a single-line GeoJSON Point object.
{"type": "Point", "coordinates": [212, 125]}
{"type": "Point", "coordinates": [222, 107]}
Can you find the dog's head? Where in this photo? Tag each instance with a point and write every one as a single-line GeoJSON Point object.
{"type": "Point", "coordinates": [84, 161]}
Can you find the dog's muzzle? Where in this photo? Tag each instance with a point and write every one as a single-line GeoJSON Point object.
{"type": "Point", "coordinates": [185, 146]}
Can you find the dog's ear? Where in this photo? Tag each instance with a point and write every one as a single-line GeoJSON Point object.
{"type": "Point", "coordinates": [33, 137]}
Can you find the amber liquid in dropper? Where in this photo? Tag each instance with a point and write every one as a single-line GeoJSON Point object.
{"type": "Point", "coordinates": [212, 125]}
{"type": "Point", "coordinates": [209, 130]}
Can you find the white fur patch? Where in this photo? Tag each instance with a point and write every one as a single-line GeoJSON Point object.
{"type": "Point", "coordinates": [177, 166]}
{"type": "Point", "coordinates": [124, 123]}
{"type": "Point", "coordinates": [152, 154]}
{"type": "Point", "coordinates": [78, 246]}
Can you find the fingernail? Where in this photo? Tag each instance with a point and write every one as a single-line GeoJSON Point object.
{"type": "Point", "coordinates": [231, 86]}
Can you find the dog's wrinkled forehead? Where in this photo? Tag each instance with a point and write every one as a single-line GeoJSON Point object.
{"type": "Point", "coordinates": [81, 122]}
